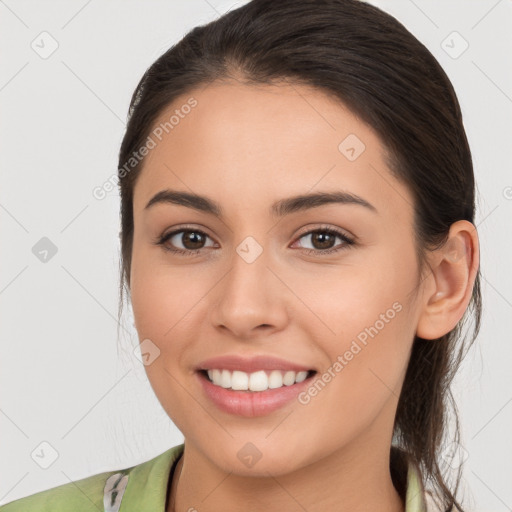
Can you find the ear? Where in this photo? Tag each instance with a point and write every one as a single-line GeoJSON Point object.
{"type": "Point", "coordinates": [448, 289]}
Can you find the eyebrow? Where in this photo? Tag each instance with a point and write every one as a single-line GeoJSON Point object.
{"type": "Point", "coordinates": [279, 208]}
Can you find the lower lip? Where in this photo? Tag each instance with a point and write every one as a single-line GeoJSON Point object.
{"type": "Point", "coordinates": [251, 403]}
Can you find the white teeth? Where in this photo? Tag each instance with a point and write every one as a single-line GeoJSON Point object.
{"type": "Point", "coordinates": [225, 379]}
{"type": "Point", "coordinates": [239, 380]}
{"type": "Point", "coordinates": [275, 380]}
{"type": "Point", "coordinates": [256, 381]}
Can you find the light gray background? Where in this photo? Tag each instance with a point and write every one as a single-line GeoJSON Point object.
{"type": "Point", "coordinates": [62, 379]}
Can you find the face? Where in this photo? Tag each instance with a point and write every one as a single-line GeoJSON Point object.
{"type": "Point", "coordinates": [252, 280]}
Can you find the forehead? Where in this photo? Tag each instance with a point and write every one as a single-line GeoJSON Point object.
{"type": "Point", "coordinates": [247, 143]}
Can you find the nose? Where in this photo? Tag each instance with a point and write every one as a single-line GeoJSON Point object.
{"type": "Point", "coordinates": [250, 299]}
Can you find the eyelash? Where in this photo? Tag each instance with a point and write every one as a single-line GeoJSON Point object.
{"type": "Point", "coordinates": [348, 242]}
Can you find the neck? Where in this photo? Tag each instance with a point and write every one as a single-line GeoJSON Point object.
{"type": "Point", "coordinates": [338, 482]}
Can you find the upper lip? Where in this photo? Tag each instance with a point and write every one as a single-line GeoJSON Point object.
{"type": "Point", "coordinates": [252, 364]}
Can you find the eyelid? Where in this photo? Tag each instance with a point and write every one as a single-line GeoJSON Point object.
{"type": "Point", "coordinates": [328, 227]}
{"type": "Point", "coordinates": [185, 227]}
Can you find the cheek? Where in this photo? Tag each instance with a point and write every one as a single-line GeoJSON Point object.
{"type": "Point", "coordinates": [163, 301]}
{"type": "Point", "coordinates": [342, 300]}
{"type": "Point", "coordinates": [363, 323]}
{"type": "Point", "coordinates": [161, 294]}
{"type": "Point", "coordinates": [160, 303]}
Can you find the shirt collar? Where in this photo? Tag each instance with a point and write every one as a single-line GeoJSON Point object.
{"type": "Point", "coordinates": [415, 494]}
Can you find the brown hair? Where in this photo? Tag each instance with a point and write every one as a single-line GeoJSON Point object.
{"type": "Point", "coordinates": [369, 61]}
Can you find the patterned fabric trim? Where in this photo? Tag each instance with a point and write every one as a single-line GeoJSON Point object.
{"type": "Point", "coordinates": [113, 492]}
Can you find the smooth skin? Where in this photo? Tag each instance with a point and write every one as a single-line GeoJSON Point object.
{"type": "Point", "coordinates": [245, 147]}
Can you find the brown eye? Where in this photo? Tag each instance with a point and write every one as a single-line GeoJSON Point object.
{"type": "Point", "coordinates": [191, 240]}
{"type": "Point", "coordinates": [323, 240]}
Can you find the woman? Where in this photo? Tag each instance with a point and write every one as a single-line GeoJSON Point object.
{"type": "Point", "coordinates": [297, 208]}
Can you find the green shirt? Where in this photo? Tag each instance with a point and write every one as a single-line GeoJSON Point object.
{"type": "Point", "coordinates": [143, 488]}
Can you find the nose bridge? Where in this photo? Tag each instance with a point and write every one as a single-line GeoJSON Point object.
{"type": "Point", "coordinates": [249, 296]}
{"type": "Point", "coordinates": [248, 275]}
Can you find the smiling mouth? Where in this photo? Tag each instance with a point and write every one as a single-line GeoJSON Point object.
{"type": "Point", "coordinates": [262, 380]}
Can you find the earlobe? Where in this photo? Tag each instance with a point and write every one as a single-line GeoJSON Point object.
{"type": "Point", "coordinates": [449, 288]}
